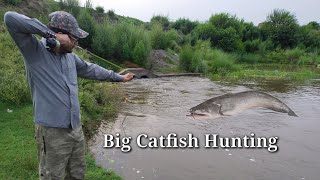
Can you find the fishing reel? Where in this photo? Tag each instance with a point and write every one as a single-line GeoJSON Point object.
{"type": "Point", "coordinates": [52, 43]}
{"type": "Point", "coordinates": [51, 40]}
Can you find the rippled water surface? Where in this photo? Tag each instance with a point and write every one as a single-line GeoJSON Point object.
{"type": "Point", "coordinates": [159, 106]}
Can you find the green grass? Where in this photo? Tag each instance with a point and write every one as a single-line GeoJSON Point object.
{"type": "Point", "coordinates": [274, 72]}
{"type": "Point", "coordinates": [97, 173]}
{"type": "Point", "coordinates": [173, 69]}
{"type": "Point", "coordinates": [18, 158]}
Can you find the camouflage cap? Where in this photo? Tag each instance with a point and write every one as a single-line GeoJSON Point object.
{"type": "Point", "coordinates": [65, 21]}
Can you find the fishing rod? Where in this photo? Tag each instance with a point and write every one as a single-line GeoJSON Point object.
{"type": "Point", "coordinates": [121, 68]}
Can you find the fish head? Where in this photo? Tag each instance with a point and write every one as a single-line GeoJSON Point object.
{"type": "Point", "coordinates": [198, 113]}
{"type": "Point", "coordinates": [205, 111]}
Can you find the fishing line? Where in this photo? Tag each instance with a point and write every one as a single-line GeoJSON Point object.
{"type": "Point", "coordinates": [121, 68]}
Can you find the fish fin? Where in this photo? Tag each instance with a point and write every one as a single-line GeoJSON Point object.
{"type": "Point", "coordinates": [291, 113]}
{"type": "Point", "coordinates": [220, 109]}
{"type": "Point", "coordinates": [220, 112]}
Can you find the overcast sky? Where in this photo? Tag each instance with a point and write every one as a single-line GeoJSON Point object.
{"type": "Point", "coordinates": [254, 11]}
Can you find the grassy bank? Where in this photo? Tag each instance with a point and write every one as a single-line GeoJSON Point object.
{"type": "Point", "coordinates": [270, 72]}
{"type": "Point", "coordinates": [293, 65]}
{"type": "Point", "coordinates": [18, 158]}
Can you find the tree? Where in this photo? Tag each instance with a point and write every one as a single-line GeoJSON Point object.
{"type": "Point", "coordinates": [314, 25]}
{"type": "Point", "coordinates": [140, 54]}
{"type": "Point", "coordinates": [71, 6]}
{"type": "Point", "coordinates": [228, 40]}
{"type": "Point", "coordinates": [103, 41]}
{"type": "Point", "coordinates": [250, 32]}
{"type": "Point", "coordinates": [13, 2]}
{"type": "Point", "coordinates": [224, 32]}
{"type": "Point", "coordinates": [100, 9]}
{"type": "Point", "coordinates": [127, 37]}
{"type": "Point", "coordinates": [204, 31]}
{"type": "Point", "coordinates": [87, 23]}
{"type": "Point", "coordinates": [251, 38]}
{"type": "Point", "coordinates": [162, 20]}
{"type": "Point", "coordinates": [309, 36]}
{"type": "Point", "coordinates": [281, 27]}
{"type": "Point", "coordinates": [184, 25]}
{"type": "Point", "coordinates": [112, 15]}
{"type": "Point", "coordinates": [157, 37]}
{"type": "Point", "coordinates": [225, 20]}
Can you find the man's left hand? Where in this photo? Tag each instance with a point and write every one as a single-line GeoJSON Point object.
{"type": "Point", "coordinates": [127, 77]}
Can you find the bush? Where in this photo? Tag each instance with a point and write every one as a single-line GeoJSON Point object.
{"type": "Point", "coordinates": [184, 25]}
{"type": "Point", "coordinates": [252, 46]}
{"type": "Point", "coordinates": [309, 59]}
{"type": "Point", "coordinates": [185, 57]}
{"type": "Point", "coordinates": [276, 57]}
{"type": "Point", "coordinates": [161, 39]}
{"type": "Point", "coordinates": [87, 23]}
{"type": "Point", "coordinates": [185, 39]}
{"type": "Point", "coordinates": [158, 37]}
{"type": "Point", "coordinates": [112, 15]}
{"type": "Point", "coordinates": [98, 101]}
{"type": "Point", "coordinates": [205, 49]}
{"type": "Point", "coordinates": [53, 6]}
{"type": "Point", "coordinates": [305, 60]}
{"type": "Point", "coordinates": [140, 54]}
{"type": "Point", "coordinates": [264, 47]}
{"type": "Point", "coordinates": [171, 36]}
{"type": "Point", "coordinates": [13, 2]}
{"type": "Point", "coordinates": [103, 41]}
{"type": "Point", "coordinates": [222, 63]}
{"type": "Point", "coordinates": [122, 34]}
{"type": "Point", "coordinates": [127, 36]}
{"type": "Point", "coordinates": [224, 32]}
{"type": "Point", "coordinates": [198, 64]}
{"type": "Point", "coordinates": [174, 46]}
{"type": "Point", "coordinates": [228, 40]}
{"type": "Point", "coordinates": [72, 6]}
{"type": "Point", "coordinates": [163, 21]}
{"type": "Point", "coordinates": [293, 55]}
{"type": "Point", "coordinates": [100, 9]}
{"type": "Point", "coordinates": [249, 58]}
{"type": "Point", "coordinates": [315, 57]}
{"type": "Point", "coordinates": [193, 59]}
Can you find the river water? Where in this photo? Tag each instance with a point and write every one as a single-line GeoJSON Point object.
{"type": "Point", "coordinates": [158, 107]}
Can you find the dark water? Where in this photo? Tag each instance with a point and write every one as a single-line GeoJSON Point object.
{"type": "Point", "coordinates": [159, 106]}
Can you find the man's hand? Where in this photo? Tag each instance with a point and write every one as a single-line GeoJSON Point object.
{"type": "Point", "coordinates": [127, 77]}
{"type": "Point", "coordinates": [66, 45]}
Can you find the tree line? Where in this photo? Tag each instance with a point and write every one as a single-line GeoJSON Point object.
{"type": "Point", "coordinates": [279, 39]}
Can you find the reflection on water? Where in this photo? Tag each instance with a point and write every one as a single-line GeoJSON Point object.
{"type": "Point", "coordinates": [276, 86]}
{"type": "Point", "coordinates": [159, 106]}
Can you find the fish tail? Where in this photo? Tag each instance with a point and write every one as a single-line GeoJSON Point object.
{"type": "Point", "coordinates": [291, 113]}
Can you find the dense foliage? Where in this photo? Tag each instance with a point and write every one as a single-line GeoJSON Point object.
{"type": "Point", "coordinates": [216, 46]}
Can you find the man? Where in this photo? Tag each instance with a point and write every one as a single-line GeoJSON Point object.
{"type": "Point", "coordinates": [52, 71]}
